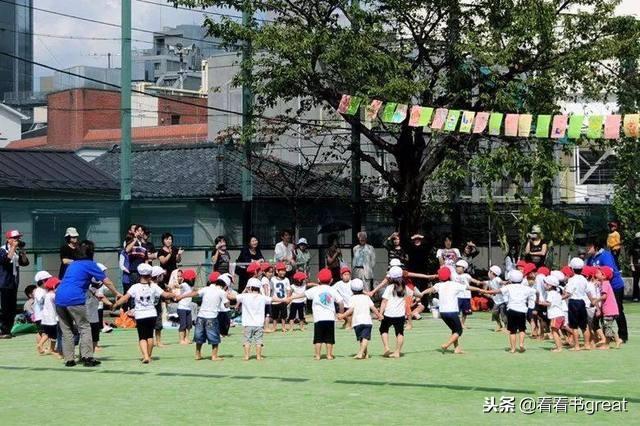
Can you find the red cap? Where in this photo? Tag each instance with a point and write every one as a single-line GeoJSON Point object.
{"type": "Point", "coordinates": [444, 274]}
{"type": "Point", "coordinates": [264, 266]}
{"type": "Point", "coordinates": [189, 275]}
{"type": "Point", "coordinates": [345, 269]}
{"type": "Point", "coordinates": [14, 233]}
{"type": "Point", "coordinates": [567, 271]}
{"type": "Point", "coordinates": [607, 271]}
{"type": "Point", "coordinates": [280, 266]}
{"type": "Point", "coordinates": [521, 263]}
{"type": "Point", "coordinates": [52, 283]}
{"type": "Point", "coordinates": [529, 268]}
{"type": "Point", "coordinates": [253, 267]}
{"type": "Point", "coordinates": [299, 276]}
{"type": "Point", "coordinates": [544, 271]}
{"type": "Point", "coordinates": [589, 271]}
{"type": "Point", "coordinates": [324, 276]}
{"type": "Point", "coordinates": [213, 277]}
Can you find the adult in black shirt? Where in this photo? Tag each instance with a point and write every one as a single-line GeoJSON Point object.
{"type": "Point", "coordinates": [536, 249]}
{"type": "Point", "coordinates": [68, 251]}
{"type": "Point", "coordinates": [221, 258]}
{"type": "Point", "coordinates": [635, 266]}
{"type": "Point", "coordinates": [169, 256]}
{"type": "Point", "coordinates": [249, 253]}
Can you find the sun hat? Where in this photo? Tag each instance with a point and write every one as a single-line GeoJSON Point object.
{"type": "Point", "coordinates": [71, 232]}
{"type": "Point", "coordinates": [303, 241]}
{"type": "Point", "coordinates": [462, 264]}
{"type": "Point", "coordinates": [42, 276]}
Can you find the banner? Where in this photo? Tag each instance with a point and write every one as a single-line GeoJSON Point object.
{"type": "Point", "coordinates": [511, 124]}
{"type": "Point", "coordinates": [559, 126]}
{"type": "Point", "coordinates": [467, 121]}
{"type": "Point", "coordinates": [440, 118]}
{"type": "Point", "coordinates": [575, 126]}
{"type": "Point", "coordinates": [420, 116]}
{"type": "Point", "coordinates": [400, 114]}
{"type": "Point", "coordinates": [524, 125]}
{"type": "Point", "coordinates": [482, 119]}
{"type": "Point", "coordinates": [452, 120]}
{"type": "Point", "coordinates": [542, 126]}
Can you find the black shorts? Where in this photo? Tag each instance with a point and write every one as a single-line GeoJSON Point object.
{"type": "Point", "coordinates": [396, 322]}
{"type": "Point", "coordinates": [324, 332]}
{"type": "Point", "coordinates": [39, 325]}
{"type": "Point", "coordinates": [158, 325]}
{"type": "Point", "coordinates": [296, 311]}
{"type": "Point", "coordinates": [578, 314]}
{"type": "Point", "coordinates": [279, 312]}
{"type": "Point", "coordinates": [101, 316]}
{"type": "Point", "coordinates": [363, 331]}
{"type": "Point", "coordinates": [267, 311]}
{"type": "Point", "coordinates": [145, 327]}
{"type": "Point", "coordinates": [51, 331]}
{"type": "Point", "coordinates": [95, 331]}
{"type": "Point", "coordinates": [529, 314]}
{"type": "Point", "coordinates": [516, 321]}
{"type": "Point", "coordinates": [464, 306]}
{"type": "Point", "coordinates": [452, 319]}
{"type": "Point", "coordinates": [224, 323]}
{"type": "Point", "coordinates": [541, 311]}
{"type": "Point", "coordinates": [184, 317]}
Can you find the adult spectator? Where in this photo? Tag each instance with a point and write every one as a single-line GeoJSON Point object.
{"type": "Point", "coordinates": [136, 253]}
{"type": "Point", "coordinates": [249, 253]}
{"type": "Point", "coordinates": [394, 248]}
{"type": "Point", "coordinates": [614, 241]}
{"type": "Point", "coordinates": [303, 256]}
{"type": "Point", "coordinates": [599, 256]}
{"type": "Point", "coordinates": [418, 257]}
{"type": "Point", "coordinates": [151, 252]}
{"type": "Point", "coordinates": [334, 258]}
{"type": "Point", "coordinates": [71, 299]}
{"type": "Point", "coordinates": [68, 250]}
{"type": "Point", "coordinates": [285, 252]}
{"type": "Point", "coordinates": [634, 255]}
{"type": "Point", "coordinates": [364, 260]}
{"type": "Point", "coordinates": [448, 255]}
{"type": "Point", "coordinates": [169, 256]}
{"type": "Point", "coordinates": [12, 257]}
{"type": "Point", "coordinates": [221, 258]}
{"type": "Point", "coordinates": [536, 248]}
{"type": "Point", "coordinates": [470, 252]}
{"type": "Point", "coordinates": [510, 259]}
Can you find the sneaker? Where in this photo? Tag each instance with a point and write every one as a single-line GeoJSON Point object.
{"type": "Point", "coordinates": [107, 329]}
{"type": "Point", "coordinates": [70, 363]}
{"type": "Point", "coordinates": [5, 336]}
{"type": "Point", "coordinates": [90, 362]}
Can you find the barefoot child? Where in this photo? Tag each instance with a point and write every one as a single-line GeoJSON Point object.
{"type": "Point", "coordinates": [499, 310]}
{"type": "Point", "coordinates": [393, 309]}
{"type": "Point", "coordinates": [184, 306]}
{"type": "Point", "coordinates": [553, 305]}
{"type": "Point", "coordinates": [323, 306]}
{"type": "Point", "coordinates": [360, 310]}
{"type": "Point", "coordinates": [343, 288]}
{"type": "Point", "coordinates": [38, 303]}
{"type": "Point", "coordinates": [609, 307]}
{"type": "Point", "coordinates": [144, 295]}
{"type": "Point", "coordinates": [50, 319]}
{"type": "Point", "coordinates": [296, 309]}
{"type": "Point", "coordinates": [576, 291]}
{"type": "Point", "coordinates": [464, 299]}
{"type": "Point", "coordinates": [280, 289]}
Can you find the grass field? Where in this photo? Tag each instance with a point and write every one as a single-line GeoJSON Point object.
{"type": "Point", "coordinates": [290, 388]}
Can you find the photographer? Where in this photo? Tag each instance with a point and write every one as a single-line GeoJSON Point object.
{"type": "Point", "coordinates": [221, 257]}
{"type": "Point", "coordinates": [536, 249]}
{"type": "Point", "coordinates": [469, 252]}
{"type": "Point", "coordinates": [12, 256]}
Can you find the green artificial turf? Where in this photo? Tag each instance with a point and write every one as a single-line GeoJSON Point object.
{"type": "Point", "coordinates": [290, 388]}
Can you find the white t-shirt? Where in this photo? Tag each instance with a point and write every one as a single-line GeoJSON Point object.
{"type": "Point", "coordinates": [281, 251]}
{"type": "Point", "coordinates": [323, 300]}
{"type": "Point", "coordinates": [344, 290]}
{"type": "Point", "coordinates": [224, 304]}
{"type": "Point", "coordinates": [185, 304]}
{"type": "Point", "coordinates": [253, 309]}
{"type": "Point", "coordinates": [496, 284]}
{"type": "Point", "coordinates": [519, 296]}
{"type": "Point", "coordinates": [450, 256]}
{"type": "Point", "coordinates": [92, 304]}
{"type": "Point", "coordinates": [212, 296]}
{"type": "Point", "coordinates": [49, 316]}
{"type": "Point", "coordinates": [265, 290]}
{"type": "Point", "coordinates": [298, 289]}
{"type": "Point", "coordinates": [280, 288]}
{"type": "Point", "coordinates": [464, 279]}
{"type": "Point", "coordinates": [448, 293]}
{"type": "Point", "coordinates": [38, 303]}
{"type": "Point", "coordinates": [555, 309]}
{"type": "Point", "coordinates": [591, 290]}
{"type": "Point", "coordinates": [539, 285]}
{"type": "Point", "coordinates": [395, 304]}
{"type": "Point", "coordinates": [145, 297]}
{"type": "Point", "coordinates": [577, 287]}
{"type": "Point", "coordinates": [361, 305]}
{"type": "Point", "coordinates": [102, 290]}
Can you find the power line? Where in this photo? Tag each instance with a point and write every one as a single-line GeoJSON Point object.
{"type": "Point", "coordinates": [203, 11]}
{"type": "Point", "coordinates": [71, 37]}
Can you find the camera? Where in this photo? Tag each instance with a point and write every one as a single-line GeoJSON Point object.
{"type": "Point", "coordinates": [21, 244]}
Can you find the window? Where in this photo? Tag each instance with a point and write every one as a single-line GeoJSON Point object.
{"type": "Point", "coordinates": [175, 119]}
{"type": "Point", "coordinates": [595, 167]}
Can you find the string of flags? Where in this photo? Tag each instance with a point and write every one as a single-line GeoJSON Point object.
{"type": "Point", "coordinates": [557, 126]}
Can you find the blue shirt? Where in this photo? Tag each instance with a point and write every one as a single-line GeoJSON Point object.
{"type": "Point", "coordinates": [73, 288]}
{"type": "Point", "coordinates": [605, 258]}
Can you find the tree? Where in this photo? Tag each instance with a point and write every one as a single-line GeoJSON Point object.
{"type": "Point", "coordinates": [504, 55]}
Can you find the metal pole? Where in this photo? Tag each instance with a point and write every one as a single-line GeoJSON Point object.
{"type": "Point", "coordinates": [125, 113]}
{"type": "Point", "coordinates": [356, 176]}
{"type": "Point", "coordinates": [247, 128]}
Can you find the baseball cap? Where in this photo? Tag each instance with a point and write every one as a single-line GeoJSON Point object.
{"type": "Point", "coordinates": [156, 271]}
{"type": "Point", "coordinates": [14, 233]}
{"type": "Point", "coordinates": [496, 270]}
{"type": "Point", "coordinates": [252, 268]}
{"type": "Point", "coordinates": [71, 232]}
{"type": "Point", "coordinates": [357, 284]}
{"type": "Point", "coordinates": [444, 274]}
{"type": "Point", "coordinates": [52, 283]}
{"type": "Point", "coordinates": [213, 277]}
{"type": "Point", "coordinates": [462, 263]}
{"type": "Point", "coordinates": [280, 266]}
{"type": "Point", "coordinates": [552, 281]}
{"type": "Point", "coordinates": [302, 241]}
{"type": "Point", "coordinates": [102, 266]}
{"type": "Point", "coordinates": [529, 268]}
{"type": "Point", "coordinates": [345, 269]}
{"type": "Point", "coordinates": [189, 274]}
{"type": "Point", "coordinates": [567, 271]}
{"type": "Point", "coordinates": [607, 271]}
{"type": "Point", "coordinates": [395, 262]}
{"type": "Point", "coordinates": [515, 276]}
{"type": "Point", "coordinates": [395, 272]}
{"type": "Point", "coordinates": [543, 270]}
{"type": "Point", "coordinates": [42, 276]}
{"type": "Point", "coordinates": [589, 271]}
{"type": "Point", "coordinates": [576, 263]}
{"type": "Point", "coordinates": [299, 276]}
{"type": "Point", "coordinates": [254, 283]}
{"type": "Point", "coordinates": [265, 266]}
{"type": "Point", "coordinates": [145, 269]}
{"type": "Point", "coordinates": [324, 276]}
{"type": "Point", "coordinates": [559, 275]}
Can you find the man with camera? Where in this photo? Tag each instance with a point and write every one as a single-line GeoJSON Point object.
{"type": "Point", "coordinates": [12, 257]}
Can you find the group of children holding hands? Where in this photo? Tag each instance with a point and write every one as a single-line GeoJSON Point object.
{"type": "Point", "coordinates": [556, 304]}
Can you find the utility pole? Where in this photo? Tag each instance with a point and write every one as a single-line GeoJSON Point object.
{"type": "Point", "coordinates": [247, 126]}
{"type": "Point", "coordinates": [356, 175]}
{"type": "Point", "coordinates": [125, 116]}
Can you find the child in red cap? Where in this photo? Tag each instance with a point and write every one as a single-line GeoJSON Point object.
{"type": "Point", "coordinates": [49, 318]}
{"type": "Point", "coordinates": [280, 289]}
{"type": "Point", "coordinates": [296, 309]}
{"type": "Point", "coordinates": [343, 287]}
{"type": "Point", "coordinates": [608, 307]}
{"type": "Point", "coordinates": [184, 306]}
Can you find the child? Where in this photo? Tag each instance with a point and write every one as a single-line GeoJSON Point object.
{"type": "Point", "coordinates": [464, 301]}
{"type": "Point", "coordinates": [38, 302]}
{"type": "Point", "coordinates": [593, 308]}
{"type": "Point", "coordinates": [553, 305]}
{"type": "Point", "coordinates": [448, 296]}
{"type": "Point", "coordinates": [519, 297]}
{"type": "Point", "coordinates": [360, 310]}
{"type": "Point", "coordinates": [145, 295]}
{"type": "Point", "coordinates": [224, 282]}
{"type": "Point", "coordinates": [207, 324]}
{"type": "Point", "coordinates": [540, 310]}
{"type": "Point", "coordinates": [393, 308]}
{"type": "Point", "coordinates": [50, 319]}
{"type": "Point", "coordinates": [94, 297]}
{"type": "Point", "coordinates": [157, 278]}
{"type": "Point", "coordinates": [576, 291]}
{"type": "Point", "coordinates": [323, 299]}
{"type": "Point", "coordinates": [344, 290]}
{"type": "Point", "coordinates": [184, 306]}
{"type": "Point", "coordinates": [296, 309]}
{"type": "Point", "coordinates": [499, 310]}
{"type": "Point", "coordinates": [266, 272]}
{"type": "Point", "coordinates": [280, 289]}
{"type": "Point", "coordinates": [608, 306]}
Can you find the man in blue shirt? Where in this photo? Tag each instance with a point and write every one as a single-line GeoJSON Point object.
{"type": "Point", "coordinates": [12, 257]}
{"type": "Point", "coordinates": [599, 256]}
{"type": "Point", "coordinates": [71, 298]}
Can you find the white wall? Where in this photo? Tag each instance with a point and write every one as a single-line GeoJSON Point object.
{"type": "Point", "coordinates": [10, 127]}
{"type": "Point", "coordinates": [144, 110]}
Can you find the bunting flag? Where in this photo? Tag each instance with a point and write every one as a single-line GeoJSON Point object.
{"type": "Point", "coordinates": [575, 126]}
{"type": "Point", "coordinates": [344, 104]}
{"type": "Point", "coordinates": [495, 123]}
{"type": "Point", "coordinates": [559, 126]}
{"type": "Point", "coordinates": [542, 126]}
{"type": "Point", "coordinates": [371, 112]}
{"type": "Point", "coordinates": [467, 121]}
{"type": "Point", "coordinates": [612, 126]}
{"type": "Point", "coordinates": [354, 105]}
{"type": "Point", "coordinates": [389, 110]}
{"type": "Point", "coordinates": [594, 131]}
{"type": "Point", "coordinates": [630, 125]}
{"type": "Point", "coordinates": [400, 114]}
{"type": "Point", "coordinates": [452, 120]}
{"type": "Point", "coordinates": [511, 124]}
{"type": "Point", "coordinates": [420, 116]}
{"type": "Point", "coordinates": [482, 119]}
{"type": "Point", "coordinates": [439, 119]}
{"type": "Point", "coordinates": [524, 125]}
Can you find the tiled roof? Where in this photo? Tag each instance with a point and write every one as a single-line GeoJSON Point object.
{"type": "Point", "coordinates": [139, 134]}
{"type": "Point", "coordinates": [37, 142]}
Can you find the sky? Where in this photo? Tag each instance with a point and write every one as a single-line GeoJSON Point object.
{"type": "Point", "coordinates": [64, 53]}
